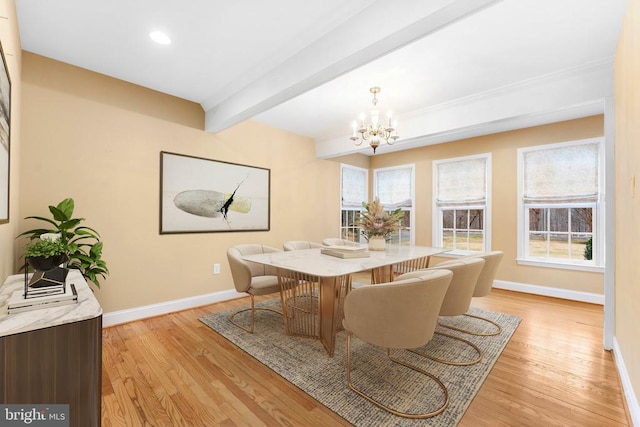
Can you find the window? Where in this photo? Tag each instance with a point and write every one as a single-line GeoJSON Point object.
{"type": "Point", "coordinates": [394, 186]}
{"type": "Point", "coordinates": [353, 192]}
{"type": "Point", "coordinates": [559, 195]}
{"type": "Point", "coordinates": [557, 231]}
{"type": "Point", "coordinates": [460, 209]}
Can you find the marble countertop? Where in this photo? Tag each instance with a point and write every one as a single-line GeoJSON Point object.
{"type": "Point", "coordinates": [311, 261]}
{"type": "Point", "coordinates": [86, 308]}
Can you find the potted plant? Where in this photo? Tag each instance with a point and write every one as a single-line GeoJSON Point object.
{"type": "Point", "coordinates": [82, 244]}
{"type": "Point", "coordinates": [45, 254]}
{"type": "Point", "coordinates": [377, 225]}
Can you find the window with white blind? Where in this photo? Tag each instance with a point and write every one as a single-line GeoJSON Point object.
{"type": "Point", "coordinates": [461, 192]}
{"type": "Point", "coordinates": [395, 188]}
{"type": "Point", "coordinates": [353, 192]}
{"type": "Point", "coordinates": [560, 194]}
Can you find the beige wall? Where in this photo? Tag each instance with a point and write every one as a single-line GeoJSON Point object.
{"type": "Point", "coordinates": [503, 148]}
{"type": "Point", "coordinates": [627, 154]}
{"type": "Point", "coordinates": [98, 139]}
{"type": "Point", "coordinates": [10, 39]}
{"type": "Point", "coordinates": [357, 160]}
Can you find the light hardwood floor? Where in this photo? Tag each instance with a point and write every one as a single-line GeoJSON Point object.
{"type": "Point", "coordinates": [172, 370]}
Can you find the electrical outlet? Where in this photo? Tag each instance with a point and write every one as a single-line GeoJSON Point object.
{"type": "Point", "coordinates": [216, 268]}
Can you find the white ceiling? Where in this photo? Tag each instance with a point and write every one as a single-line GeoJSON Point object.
{"type": "Point", "coordinates": [447, 68]}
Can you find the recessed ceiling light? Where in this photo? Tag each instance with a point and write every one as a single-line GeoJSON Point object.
{"type": "Point", "coordinates": [159, 37]}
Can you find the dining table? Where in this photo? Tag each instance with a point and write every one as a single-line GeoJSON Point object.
{"type": "Point", "coordinates": [313, 285]}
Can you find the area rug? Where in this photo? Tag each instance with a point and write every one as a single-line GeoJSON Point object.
{"type": "Point", "coordinates": [305, 363]}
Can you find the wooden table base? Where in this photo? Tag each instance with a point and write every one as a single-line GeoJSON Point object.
{"type": "Point", "coordinates": [313, 306]}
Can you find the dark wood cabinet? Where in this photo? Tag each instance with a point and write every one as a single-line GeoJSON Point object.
{"type": "Point", "coordinates": [60, 364]}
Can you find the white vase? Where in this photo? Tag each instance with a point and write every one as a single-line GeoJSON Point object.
{"type": "Point", "coordinates": [377, 243]}
{"type": "Point", "coordinates": [50, 236]}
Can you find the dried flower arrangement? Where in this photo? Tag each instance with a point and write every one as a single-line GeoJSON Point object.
{"type": "Point", "coordinates": [376, 222]}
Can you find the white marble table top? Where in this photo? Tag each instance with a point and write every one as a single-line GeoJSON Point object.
{"type": "Point", "coordinates": [86, 308]}
{"type": "Point", "coordinates": [311, 261]}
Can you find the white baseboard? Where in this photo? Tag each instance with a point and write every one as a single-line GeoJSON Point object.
{"type": "Point", "coordinates": [627, 388]}
{"type": "Point", "coordinates": [137, 313]}
{"type": "Point", "coordinates": [550, 292]}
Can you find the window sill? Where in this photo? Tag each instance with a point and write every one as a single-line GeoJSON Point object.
{"type": "Point", "coordinates": [562, 266]}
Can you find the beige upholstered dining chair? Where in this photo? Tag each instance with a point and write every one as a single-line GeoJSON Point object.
{"type": "Point", "coordinates": [294, 245]}
{"type": "Point", "coordinates": [252, 278]}
{"type": "Point", "coordinates": [397, 315]}
{"type": "Point", "coordinates": [457, 300]}
{"type": "Point", "coordinates": [338, 242]}
{"type": "Point", "coordinates": [483, 287]}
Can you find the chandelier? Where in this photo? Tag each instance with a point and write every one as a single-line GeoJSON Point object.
{"type": "Point", "coordinates": [375, 132]}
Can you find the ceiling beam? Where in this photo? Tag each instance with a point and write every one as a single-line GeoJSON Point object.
{"type": "Point", "coordinates": [344, 49]}
{"type": "Point", "coordinates": [565, 95]}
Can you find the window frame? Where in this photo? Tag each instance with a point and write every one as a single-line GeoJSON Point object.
{"type": "Point", "coordinates": [345, 229]}
{"type": "Point", "coordinates": [569, 233]}
{"type": "Point", "coordinates": [455, 229]}
{"type": "Point", "coordinates": [410, 209]}
{"type": "Point", "coordinates": [438, 210]}
{"type": "Point", "coordinates": [597, 263]}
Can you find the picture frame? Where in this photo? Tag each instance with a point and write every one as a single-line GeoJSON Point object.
{"type": "Point", "coordinates": [199, 195]}
{"type": "Point", "coordinates": [5, 138]}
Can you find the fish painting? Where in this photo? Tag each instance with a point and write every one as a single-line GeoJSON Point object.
{"type": "Point", "coordinates": [200, 195]}
{"type": "Point", "coordinates": [211, 204]}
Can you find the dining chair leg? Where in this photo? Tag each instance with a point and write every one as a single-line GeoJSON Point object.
{"type": "Point", "coordinates": [478, 334]}
{"type": "Point", "coordinates": [250, 329]}
{"type": "Point", "coordinates": [452, 362]}
{"type": "Point", "coordinates": [386, 408]}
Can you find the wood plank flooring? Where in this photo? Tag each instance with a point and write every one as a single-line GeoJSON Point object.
{"type": "Point", "coordinates": [172, 370]}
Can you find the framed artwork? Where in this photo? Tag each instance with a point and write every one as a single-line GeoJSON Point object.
{"type": "Point", "coordinates": [206, 196]}
{"type": "Point", "coordinates": [5, 140]}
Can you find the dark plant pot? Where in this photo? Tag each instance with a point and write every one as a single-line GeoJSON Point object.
{"type": "Point", "coordinates": [41, 263]}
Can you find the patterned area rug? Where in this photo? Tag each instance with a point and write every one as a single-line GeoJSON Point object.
{"type": "Point", "coordinates": [305, 363]}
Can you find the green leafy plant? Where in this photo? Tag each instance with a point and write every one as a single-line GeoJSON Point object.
{"type": "Point", "coordinates": [82, 243]}
{"type": "Point", "coordinates": [588, 249]}
{"type": "Point", "coordinates": [45, 254]}
{"type": "Point", "coordinates": [375, 221]}
{"type": "Point", "coordinates": [45, 248]}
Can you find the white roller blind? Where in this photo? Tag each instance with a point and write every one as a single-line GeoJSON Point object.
{"type": "Point", "coordinates": [354, 187]}
{"type": "Point", "coordinates": [561, 174]}
{"type": "Point", "coordinates": [393, 187]}
{"type": "Point", "coordinates": [461, 181]}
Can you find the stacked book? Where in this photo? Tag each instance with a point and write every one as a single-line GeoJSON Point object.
{"type": "Point", "coordinates": [18, 303]}
{"type": "Point", "coordinates": [345, 251]}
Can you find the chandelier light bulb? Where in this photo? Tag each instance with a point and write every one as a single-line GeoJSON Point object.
{"type": "Point", "coordinates": [354, 126]}
{"type": "Point", "coordinates": [374, 117]}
